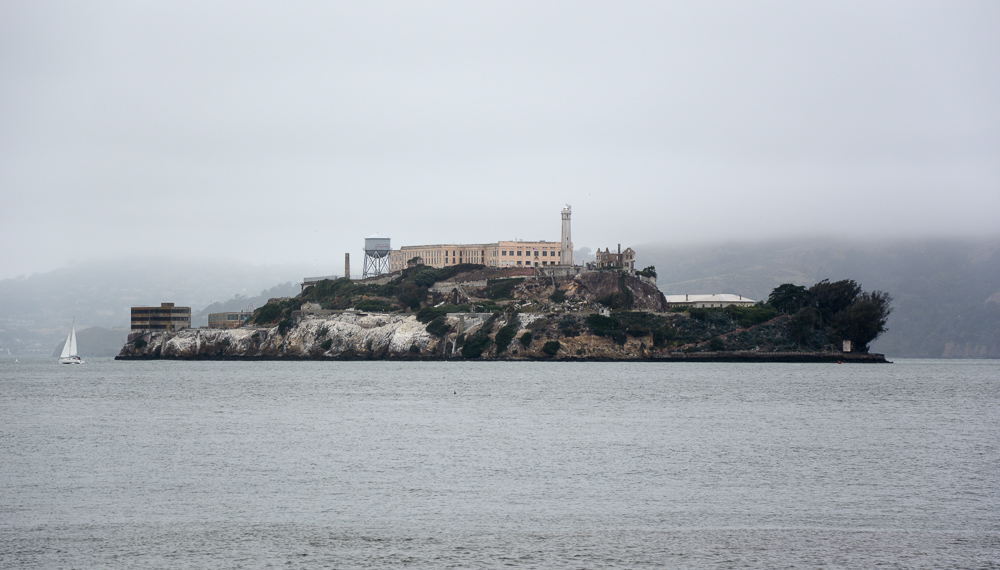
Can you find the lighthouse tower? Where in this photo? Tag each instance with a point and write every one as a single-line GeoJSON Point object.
{"type": "Point", "coordinates": [566, 255]}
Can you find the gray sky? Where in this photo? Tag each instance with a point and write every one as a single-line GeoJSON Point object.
{"type": "Point", "coordinates": [275, 131]}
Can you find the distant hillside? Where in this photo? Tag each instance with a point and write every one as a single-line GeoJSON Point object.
{"type": "Point", "coordinates": [946, 291]}
{"type": "Point", "coordinates": [36, 311]}
{"type": "Point", "coordinates": [242, 303]}
{"type": "Point", "coordinates": [96, 341]}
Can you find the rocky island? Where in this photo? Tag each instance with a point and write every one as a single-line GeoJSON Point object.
{"type": "Point", "coordinates": [473, 312]}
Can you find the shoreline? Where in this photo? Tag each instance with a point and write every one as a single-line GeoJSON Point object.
{"type": "Point", "coordinates": [732, 357]}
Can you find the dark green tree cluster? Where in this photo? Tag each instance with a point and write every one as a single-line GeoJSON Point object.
{"type": "Point", "coordinates": [274, 312]}
{"type": "Point", "coordinates": [619, 326]}
{"type": "Point", "coordinates": [408, 291]}
{"type": "Point", "coordinates": [840, 309]}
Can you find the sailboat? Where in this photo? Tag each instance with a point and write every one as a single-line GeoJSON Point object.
{"type": "Point", "coordinates": [69, 355]}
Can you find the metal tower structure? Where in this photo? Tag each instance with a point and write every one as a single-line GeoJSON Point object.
{"type": "Point", "coordinates": [376, 256]}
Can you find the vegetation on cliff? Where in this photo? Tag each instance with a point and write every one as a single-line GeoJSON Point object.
{"type": "Point", "coordinates": [568, 315]}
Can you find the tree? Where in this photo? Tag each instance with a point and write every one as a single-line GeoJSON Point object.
{"type": "Point", "coordinates": [788, 298]}
{"type": "Point", "coordinates": [802, 324]}
{"type": "Point", "coordinates": [864, 320]}
{"type": "Point", "coordinates": [832, 298]}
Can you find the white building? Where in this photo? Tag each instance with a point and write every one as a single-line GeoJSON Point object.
{"type": "Point", "coordinates": [709, 301]}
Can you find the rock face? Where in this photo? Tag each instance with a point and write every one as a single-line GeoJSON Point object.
{"type": "Point", "coordinates": [345, 335]}
{"type": "Point", "coordinates": [353, 335]}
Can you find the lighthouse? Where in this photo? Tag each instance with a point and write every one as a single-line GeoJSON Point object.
{"type": "Point", "coordinates": [566, 254]}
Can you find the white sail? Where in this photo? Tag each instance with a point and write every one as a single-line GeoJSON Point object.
{"type": "Point", "coordinates": [70, 347]}
{"type": "Point", "coordinates": [69, 355]}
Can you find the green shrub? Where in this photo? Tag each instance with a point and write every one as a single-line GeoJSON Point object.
{"type": "Point", "coordinates": [698, 314]}
{"type": "Point", "coordinates": [285, 325]}
{"type": "Point", "coordinates": [507, 333]}
{"type": "Point", "coordinates": [558, 296]}
{"type": "Point", "coordinates": [485, 307]}
{"type": "Point", "coordinates": [438, 326]}
{"type": "Point", "coordinates": [414, 349]}
{"type": "Point", "coordinates": [375, 306]}
{"type": "Point", "coordinates": [428, 314]}
{"type": "Point", "coordinates": [327, 344]}
{"type": "Point", "coordinates": [501, 288]}
{"type": "Point", "coordinates": [475, 345]}
{"type": "Point", "coordinates": [716, 343]}
{"type": "Point", "coordinates": [139, 344]}
{"type": "Point", "coordinates": [525, 339]}
{"type": "Point", "coordinates": [551, 348]}
{"type": "Point", "coordinates": [426, 277]}
{"type": "Point", "coordinates": [750, 316]}
{"type": "Point", "coordinates": [663, 335]}
{"type": "Point", "coordinates": [601, 325]}
{"type": "Point", "coordinates": [637, 324]}
{"type": "Point", "coordinates": [267, 314]}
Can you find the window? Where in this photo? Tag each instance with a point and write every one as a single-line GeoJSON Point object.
{"type": "Point", "coordinates": [519, 263]}
{"type": "Point", "coordinates": [519, 252]}
{"type": "Point", "coordinates": [545, 253]}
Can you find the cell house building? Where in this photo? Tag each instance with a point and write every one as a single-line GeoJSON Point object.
{"type": "Point", "coordinates": [166, 317]}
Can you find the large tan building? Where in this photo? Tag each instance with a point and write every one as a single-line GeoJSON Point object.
{"type": "Point", "coordinates": [166, 317]}
{"type": "Point", "coordinates": [500, 254]}
{"type": "Point", "coordinates": [441, 255]}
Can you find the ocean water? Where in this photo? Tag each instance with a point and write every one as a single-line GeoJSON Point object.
{"type": "Point", "coordinates": [537, 465]}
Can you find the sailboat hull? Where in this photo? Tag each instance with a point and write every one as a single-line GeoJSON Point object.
{"type": "Point", "coordinates": [69, 355]}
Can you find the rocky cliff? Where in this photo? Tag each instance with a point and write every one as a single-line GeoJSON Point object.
{"type": "Point", "coordinates": [353, 335]}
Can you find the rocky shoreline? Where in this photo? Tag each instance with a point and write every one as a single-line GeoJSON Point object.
{"type": "Point", "coordinates": [371, 336]}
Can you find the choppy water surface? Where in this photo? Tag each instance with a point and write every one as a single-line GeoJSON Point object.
{"type": "Point", "coordinates": [549, 465]}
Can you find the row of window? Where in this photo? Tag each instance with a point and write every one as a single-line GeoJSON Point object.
{"type": "Point", "coordinates": [527, 263]}
{"type": "Point", "coordinates": [545, 253]}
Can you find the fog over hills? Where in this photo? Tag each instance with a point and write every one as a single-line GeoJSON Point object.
{"type": "Point", "coordinates": [946, 291]}
{"type": "Point", "coordinates": [37, 311]}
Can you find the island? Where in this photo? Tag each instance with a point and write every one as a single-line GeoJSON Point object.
{"type": "Point", "coordinates": [474, 312]}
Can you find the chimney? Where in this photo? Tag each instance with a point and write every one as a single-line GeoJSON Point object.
{"type": "Point", "coordinates": [347, 265]}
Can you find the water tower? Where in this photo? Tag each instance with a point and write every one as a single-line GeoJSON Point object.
{"type": "Point", "coordinates": [376, 256]}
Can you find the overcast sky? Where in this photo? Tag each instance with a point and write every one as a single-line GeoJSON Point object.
{"type": "Point", "coordinates": [289, 131]}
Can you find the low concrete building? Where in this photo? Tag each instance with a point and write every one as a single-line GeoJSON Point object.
{"type": "Point", "coordinates": [308, 282]}
{"type": "Point", "coordinates": [229, 319]}
{"type": "Point", "coordinates": [709, 301]}
{"type": "Point", "coordinates": [166, 317]}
